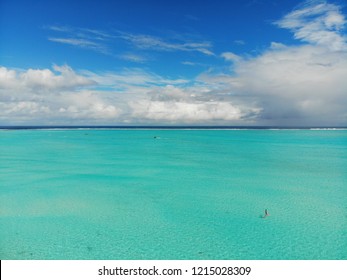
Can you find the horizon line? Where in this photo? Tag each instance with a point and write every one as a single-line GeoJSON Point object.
{"type": "Point", "coordinates": [19, 127]}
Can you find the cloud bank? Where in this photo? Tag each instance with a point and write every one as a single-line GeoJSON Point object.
{"type": "Point", "coordinates": [294, 85]}
{"type": "Point", "coordinates": [63, 96]}
{"type": "Point", "coordinates": [297, 85]}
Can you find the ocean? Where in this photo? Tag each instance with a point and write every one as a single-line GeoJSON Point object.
{"type": "Point", "coordinates": [173, 194]}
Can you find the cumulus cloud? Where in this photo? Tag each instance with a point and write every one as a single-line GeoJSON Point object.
{"type": "Point", "coordinates": [132, 95]}
{"type": "Point", "coordinates": [45, 96]}
{"type": "Point", "coordinates": [185, 112]}
{"type": "Point", "coordinates": [193, 104]}
{"type": "Point", "coordinates": [303, 84]}
{"type": "Point", "coordinates": [42, 79]}
{"type": "Point", "coordinates": [295, 85]}
{"type": "Point", "coordinates": [87, 105]}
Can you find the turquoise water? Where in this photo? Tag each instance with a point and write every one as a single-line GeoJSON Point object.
{"type": "Point", "coordinates": [187, 194]}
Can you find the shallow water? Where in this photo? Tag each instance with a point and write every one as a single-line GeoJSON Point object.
{"type": "Point", "coordinates": [186, 194]}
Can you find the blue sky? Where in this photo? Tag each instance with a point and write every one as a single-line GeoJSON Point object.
{"type": "Point", "coordinates": [256, 62]}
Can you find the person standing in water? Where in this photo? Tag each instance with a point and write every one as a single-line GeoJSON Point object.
{"type": "Point", "coordinates": [266, 213]}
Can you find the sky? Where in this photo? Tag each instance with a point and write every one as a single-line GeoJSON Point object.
{"type": "Point", "coordinates": [151, 62]}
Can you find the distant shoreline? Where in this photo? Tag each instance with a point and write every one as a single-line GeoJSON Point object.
{"type": "Point", "coordinates": [174, 127]}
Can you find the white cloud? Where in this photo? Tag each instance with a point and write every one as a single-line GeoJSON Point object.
{"type": "Point", "coordinates": [155, 43]}
{"type": "Point", "coordinates": [7, 77]}
{"type": "Point", "coordinates": [81, 33]}
{"type": "Point", "coordinates": [90, 39]}
{"type": "Point", "coordinates": [133, 57]}
{"type": "Point", "coordinates": [229, 56]}
{"type": "Point", "coordinates": [300, 85]}
{"type": "Point", "coordinates": [88, 105]}
{"type": "Point", "coordinates": [65, 96]}
{"type": "Point", "coordinates": [317, 22]}
{"type": "Point", "coordinates": [45, 96]}
{"type": "Point", "coordinates": [24, 108]}
{"type": "Point", "coordinates": [42, 79]}
{"type": "Point", "coordinates": [297, 84]}
{"type": "Point", "coordinates": [197, 103]}
{"type": "Point", "coordinates": [194, 104]}
{"type": "Point", "coordinates": [82, 43]}
{"type": "Point", "coordinates": [102, 41]}
{"type": "Point", "coordinates": [286, 85]}
{"type": "Point", "coordinates": [185, 112]}
{"type": "Point", "coordinates": [130, 78]}
{"type": "Point", "coordinates": [292, 85]}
